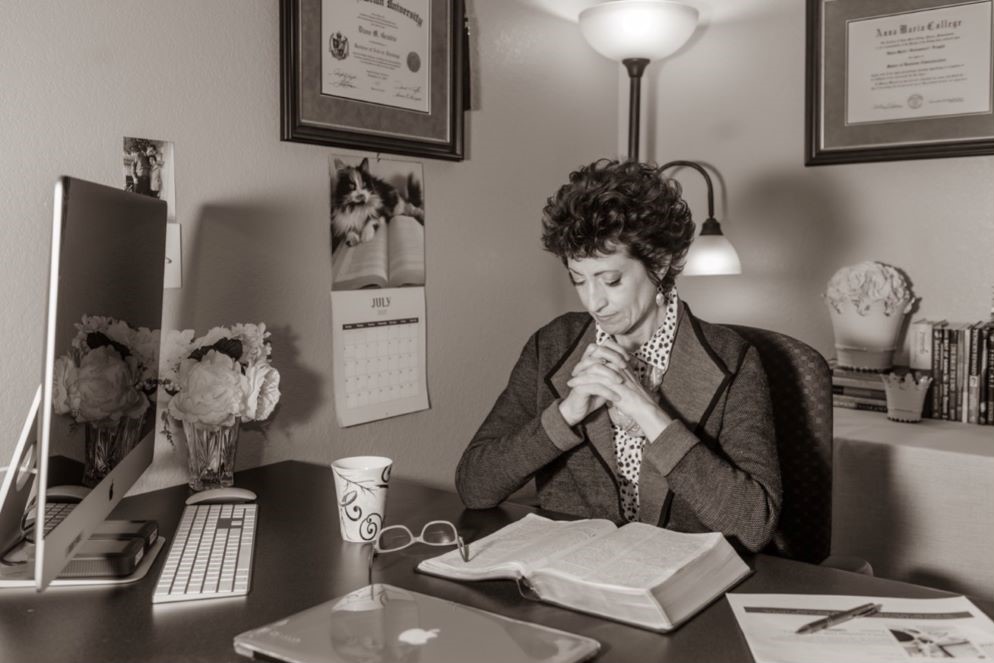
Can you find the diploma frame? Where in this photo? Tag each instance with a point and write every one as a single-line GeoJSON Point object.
{"type": "Point", "coordinates": [830, 140]}
{"type": "Point", "coordinates": [308, 116]}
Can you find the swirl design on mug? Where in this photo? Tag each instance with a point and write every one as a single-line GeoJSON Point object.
{"type": "Point", "coordinates": [370, 527]}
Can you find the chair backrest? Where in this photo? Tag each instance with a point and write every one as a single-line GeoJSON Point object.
{"type": "Point", "coordinates": [800, 384]}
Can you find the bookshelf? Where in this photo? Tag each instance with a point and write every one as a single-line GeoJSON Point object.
{"type": "Point", "coordinates": [915, 500]}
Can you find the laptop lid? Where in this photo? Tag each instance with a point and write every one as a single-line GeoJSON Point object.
{"type": "Point", "coordinates": [386, 623]}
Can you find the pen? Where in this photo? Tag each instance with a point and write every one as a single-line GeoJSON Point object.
{"type": "Point", "coordinates": [864, 610]}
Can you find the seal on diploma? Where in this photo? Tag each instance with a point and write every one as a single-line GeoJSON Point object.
{"type": "Point", "coordinates": [338, 46]}
{"type": "Point", "coordinates": [413, 61]}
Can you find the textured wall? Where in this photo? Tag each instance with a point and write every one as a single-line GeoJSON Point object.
{"type": "Point", "coordinates": [76, 77]}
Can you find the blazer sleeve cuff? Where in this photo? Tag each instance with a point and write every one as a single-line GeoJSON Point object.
{"type": "Point", "coordinates": [670, 447]}
{"type": "Point", "coordinates": [559, 432]}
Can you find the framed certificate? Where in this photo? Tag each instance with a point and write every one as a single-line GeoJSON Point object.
{"type": "Point", "coordinates": [898, 79]}
{"type": "Point", "coordinates": [374, 75]}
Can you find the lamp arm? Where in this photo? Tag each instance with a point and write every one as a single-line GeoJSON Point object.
{"type": "Point", "coordinates": [696, 166]}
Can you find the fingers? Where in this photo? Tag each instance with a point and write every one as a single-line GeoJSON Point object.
{"type": "Point", "coordinates": [609, 354]}
{"type": "Point", "coordinates": [588, 387]}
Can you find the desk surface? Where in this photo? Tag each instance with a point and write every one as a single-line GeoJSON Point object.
{"type": "Point", "coordinates": [300, 561]}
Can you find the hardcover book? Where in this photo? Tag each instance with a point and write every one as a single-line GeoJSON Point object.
{"type": "Point", "coordinates": [395, 257]}
{"type": "Point", "coordinates": [639, 574]}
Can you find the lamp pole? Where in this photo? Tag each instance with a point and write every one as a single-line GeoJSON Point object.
{"type": "Point", "coordinates": [635, 67]}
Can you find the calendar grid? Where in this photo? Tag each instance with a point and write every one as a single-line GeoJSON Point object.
{"type": "Point", "coordinates": [381, 361]}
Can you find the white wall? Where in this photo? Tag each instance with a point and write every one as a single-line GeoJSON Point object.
{"type": "Point", "coordinates": [77, 77]}
{"type": "Point", "coordinates": [734, 99]}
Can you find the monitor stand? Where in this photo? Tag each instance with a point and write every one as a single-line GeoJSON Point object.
{"type": "Point", "coordinates": [17, 563]}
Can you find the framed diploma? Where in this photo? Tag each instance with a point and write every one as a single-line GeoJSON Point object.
{"type": "Point", "coordinates": [898, 79]}
{"type": "Point", "coordinates": [374, 75]}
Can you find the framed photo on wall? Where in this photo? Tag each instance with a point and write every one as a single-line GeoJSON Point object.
{"type": "Point", "coordinates": [374, 75]}
{"type": "Point", "coordinates": [898, 79]}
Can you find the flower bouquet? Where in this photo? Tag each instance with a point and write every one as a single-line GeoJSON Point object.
{"type": "Point", "coordinates": [106, 381]}
{"type": "Point", "coordinates": [213, 384]}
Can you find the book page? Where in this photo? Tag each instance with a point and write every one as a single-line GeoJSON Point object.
{"type": "Point", "coordinates": [406, 239]}
{"type": "Point", "coordinates": [637, 555]}
{"type": "Point", "coordinates": [528, 542]}
{"type": "Point", "coordinates": [362, 265]}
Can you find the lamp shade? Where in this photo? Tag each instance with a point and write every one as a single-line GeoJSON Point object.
{"type": "Point", "coordinates": [650, 29]}
{"type": "Point", "coordinates": [712, 255]}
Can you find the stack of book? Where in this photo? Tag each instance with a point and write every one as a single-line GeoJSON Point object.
{"type": "Point", "coordinates": [858, 390]}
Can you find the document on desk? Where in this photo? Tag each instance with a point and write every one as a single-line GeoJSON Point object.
{"type": "Point", "coordinates": [378, 342]}
{"type": "Point", "coordinates": [903, 629]}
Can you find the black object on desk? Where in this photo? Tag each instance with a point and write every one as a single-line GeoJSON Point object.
{"type": "Point", "coordinates": [300, 562]}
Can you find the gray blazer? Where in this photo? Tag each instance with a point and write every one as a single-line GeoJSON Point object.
{"type": "Point", "coordinates": [714, 468]}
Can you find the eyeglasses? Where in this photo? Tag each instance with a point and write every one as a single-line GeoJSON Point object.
{"type": "Point", "coordinates": [397, 537]}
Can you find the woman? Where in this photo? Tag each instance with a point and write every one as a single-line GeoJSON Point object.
{"type": "Point", "coordinates": [634, 410]}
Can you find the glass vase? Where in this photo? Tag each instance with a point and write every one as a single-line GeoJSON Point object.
{"type": "Point", "coordinates": [211, 455]}
{"type": "Point", "coordinates": [107, 442]}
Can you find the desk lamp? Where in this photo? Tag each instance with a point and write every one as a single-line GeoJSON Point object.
{"type": "Point", "coordinates": [636, 32]}
{"type": "Point", "coordinates": [711, 253]}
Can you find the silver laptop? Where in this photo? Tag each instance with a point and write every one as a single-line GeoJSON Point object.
{"type": "Point", "coordinates": [385, 623]}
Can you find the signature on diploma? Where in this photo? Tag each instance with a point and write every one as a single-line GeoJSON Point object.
{"type": "Point", "coordinates": [343, 79]}
{"type": "Point", "coordinates": [408, 92]}
{"type": "Point", "coordinates": [888, 106]}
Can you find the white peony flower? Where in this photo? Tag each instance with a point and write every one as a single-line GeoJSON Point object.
{"type": "Point", "coordinates": [211, 391]}
{"type": "Point", "coordinates": [64, 380]}
{"type": "Point", "coordinates": [253, 338]}
{"type": "Point", "coordinates": [263, 392]}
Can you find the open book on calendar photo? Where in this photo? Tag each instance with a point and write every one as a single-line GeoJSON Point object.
{"type": "Point", "coordinates": [393, 258]}
{"type": "Point", "coordinates": [639, 574]}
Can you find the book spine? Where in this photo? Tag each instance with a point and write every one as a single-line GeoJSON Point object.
{"type": "Point", "coordinates": [955, 374]}
{"type": "Point", "coordinates": [877, 394]}
{"type": "Point", "coordinates": [982, 375]}
{"type": "Point", "coordinates": [920, 333]}
{"type": "Point", "coordinates": [937, 370]}
{"type": "Point", "coordinates": [990, 373]}
{"type": "Point", "coordinates": [945, 373]}
{"type": "Point", "coordinates": [973, 376]}
{"type": "Point", "coordinates": [856, 403]}
{"type": "Point", "coordinates": [872, 381]}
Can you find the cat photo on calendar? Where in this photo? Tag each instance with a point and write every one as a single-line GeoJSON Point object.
{"type": "Point", "coordinates": [376, 223]}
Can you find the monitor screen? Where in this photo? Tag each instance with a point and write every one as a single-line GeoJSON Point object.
{"type": "Point", "coordinates": [100, 371]}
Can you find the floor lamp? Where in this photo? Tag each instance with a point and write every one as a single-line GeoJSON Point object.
{"type": "Point", "coordinates": [636, 32]}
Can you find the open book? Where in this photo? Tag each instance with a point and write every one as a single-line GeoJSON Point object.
{"type": "Point", "coordinates": [638, 574]}
{"type": "Point", "coordinates": [395, 257]}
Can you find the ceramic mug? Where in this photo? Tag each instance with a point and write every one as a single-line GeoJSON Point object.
{"type": "Point", "coordinates": [361, 493]}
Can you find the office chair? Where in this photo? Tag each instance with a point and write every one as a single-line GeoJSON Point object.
{"type": "Point", "coordinates": [800, 383]}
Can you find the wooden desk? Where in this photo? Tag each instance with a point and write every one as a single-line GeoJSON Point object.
{"type": "Point", "coordinates": [300, 561]}
{"type": "Point", "coordinates": [914, 500]}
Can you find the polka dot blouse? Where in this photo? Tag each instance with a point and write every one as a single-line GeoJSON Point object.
{"type": "Point", "coordinates": [652, 360]}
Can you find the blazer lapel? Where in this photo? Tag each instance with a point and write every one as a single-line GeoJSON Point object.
{"type": "Point", "coordinates": [691, 383]}
{"type": "Point", "coordinates": [597, 427]}
{"type": "Point", "coordinates": [694, 376]}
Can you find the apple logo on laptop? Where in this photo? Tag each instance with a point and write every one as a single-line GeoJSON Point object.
{"type": "Point", "coordinates": [417, 636]}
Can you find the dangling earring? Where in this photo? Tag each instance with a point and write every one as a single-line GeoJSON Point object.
{"type": "Point", "coordinates": [660, 299]}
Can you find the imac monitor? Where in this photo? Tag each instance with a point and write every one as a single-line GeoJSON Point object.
{"type": "Point", "coordinates": [96, 415]}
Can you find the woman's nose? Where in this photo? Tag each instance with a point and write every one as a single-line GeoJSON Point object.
{"type": "Point", "coordinates": [596, 300]}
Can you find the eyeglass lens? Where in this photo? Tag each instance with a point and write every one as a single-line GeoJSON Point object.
{"type": "Point", "coordinates": [439, 533]}
{"type": "Point", "coordinates": [394, 538]}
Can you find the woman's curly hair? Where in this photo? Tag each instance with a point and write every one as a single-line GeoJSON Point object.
{"type": "Point", "coordinates": [611, 204]}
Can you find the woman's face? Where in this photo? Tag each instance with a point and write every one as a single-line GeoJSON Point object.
{"type": "Point", "coordinates": [617, 291]}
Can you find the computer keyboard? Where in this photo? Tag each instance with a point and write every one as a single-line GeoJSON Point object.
{"type": "Point", "coordinates": [55, 513]}
{"type": "Point", "coordinates": [211, 554]}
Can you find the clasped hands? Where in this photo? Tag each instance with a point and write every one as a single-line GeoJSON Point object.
{"type": "Point", "coordinates": [603, 377]}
